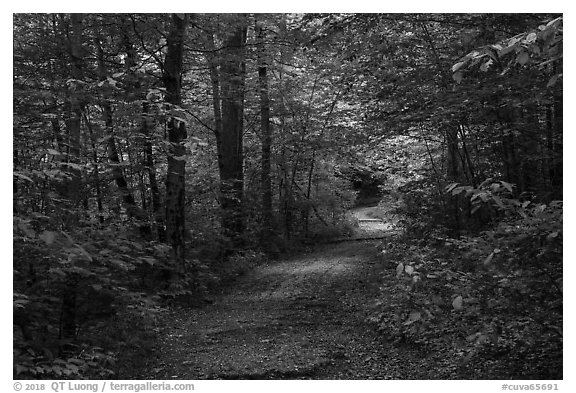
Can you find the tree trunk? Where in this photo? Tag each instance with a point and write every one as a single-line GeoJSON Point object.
{"type": "Point", "coordinates": [557, 176]}
{"type": "Point", "coordinates": [175, 178]}
{"type": "Point", "coordinates": [96, 171]}
{"type": "Point", "coordinates": [114, 158]}
{"type": "Point", "coordinates": [151, 169]}
{"type": "Point", "coordinates": [266, 139]}
{"type": "Point", "coordinates": [74, 109]}
{"type": "Point", "coordinates": [230, 155]}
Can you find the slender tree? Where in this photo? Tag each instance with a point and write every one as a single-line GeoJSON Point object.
{"type": "Point", "coordinates": [266, 136]}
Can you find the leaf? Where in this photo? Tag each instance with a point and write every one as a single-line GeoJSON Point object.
{"type": "Point", "coordinates": [498, 202]}
{"type": "Point", "coordinates": [117, 75]}
{"type": "Point", "coordinates": [459, 189]}
{"type": "Point", "coordinates": [523, 58]}
{"type": "Point", "coordinates": [48, 237]}
{"type": "Point", "coordinates": [555, 21]}
{"type": "Point", "coordinates": [413, 317]}
{"type": "Point", "coordinates": [507, 185]}
{"type": "Point", "coordinates": [179, 120]}
{"type": "Point", "coordinates": [84, 252]}
{"type": "Point", "coordinates": [409, 269]}
{"type": "Point", "coordinates": [457, 76]}
{"type": "Point", "coordinates": [24, 227]}
{"type": "Point", "coordinates": [488, 260]}
{"type": "Point", "coordinates": [72, 165]}
{"type": "Point", "coordinates": [80, 271]}
{"type": "Point", "coordinates": [530, 38]}
{"type": "Point", "coordinates": [450, 187]}
{"type": "Point", "coordinates": [119, 264]}
{"type": "Point", "coordinates": [553, 80]}
{"type": "Point", "coordinates": [58, 271]}
{"type": "Point", "coordinates": [149, 260]}
{"type": "Point", "coordinates": [458, 65]}
{"type": "Point", "coordinates": [503, 52]}
{"type": "Point", "coordinates": [399, 269]}
{"type": "Point", "coordinates": [54, 152]}
{"type": "Point", "coordinates": [21, 176]}
{"type": "Point", "coordinates": [20, 369]}
{"type": "Point", "coordinates": [486, 65]}
{"type": "Point", "coordinates": [78, 362]}
{"type": "Point", "coordinates": [475, 208]}
{"type": "Point", "coordinates": [457, 303]}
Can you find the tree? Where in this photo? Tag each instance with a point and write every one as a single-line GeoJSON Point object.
{"type": "Point", "coordinates": [266, 135]}
{"type": "Point", "coordinates": [230, 139]}
{"type": "Point", "coordinates": [175, 178]}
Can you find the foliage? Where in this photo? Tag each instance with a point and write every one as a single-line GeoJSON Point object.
{"type": "Point", "coordinates": [537, 48]}
{"type": "Point", "coordinates": [105, 104]}
{"type": "Point", "coordinates": [493, 301]}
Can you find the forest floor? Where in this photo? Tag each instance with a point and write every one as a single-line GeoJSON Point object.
{"type": "Point", "coordinates": [304, 317]}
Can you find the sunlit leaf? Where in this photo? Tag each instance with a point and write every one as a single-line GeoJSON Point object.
{"type": "Point", "coordinates": [554, 22]}
{"type": "Point", "coordinates": [457, 66]}
{"type": "Point", "coordinates": [452, 186]}
{"type": "Point", "coordinates": [530, 38]}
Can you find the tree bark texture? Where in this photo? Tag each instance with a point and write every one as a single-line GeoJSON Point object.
{"type": "Point", "coordinates": [175, 177]}
{"type": "Point", "coordinates": [230, 154]}
{"type": "Point", "coordinates": [266, 138]}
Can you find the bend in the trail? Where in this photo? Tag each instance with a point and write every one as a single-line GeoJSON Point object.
{"type": "Point", "coordinates": [302, 317]}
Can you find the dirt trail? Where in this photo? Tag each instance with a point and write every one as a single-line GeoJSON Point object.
{"type": "Point", "coordinates": [299, 318]}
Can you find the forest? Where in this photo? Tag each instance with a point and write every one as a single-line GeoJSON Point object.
{"type": "Point", "coordinates": [287, 196]}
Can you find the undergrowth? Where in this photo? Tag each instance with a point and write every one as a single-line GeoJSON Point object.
{"type": "Point", "coordinates": [485, 305]}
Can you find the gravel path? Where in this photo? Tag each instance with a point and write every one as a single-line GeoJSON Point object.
{"type": "Point", "coordinates": [299, 318]}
